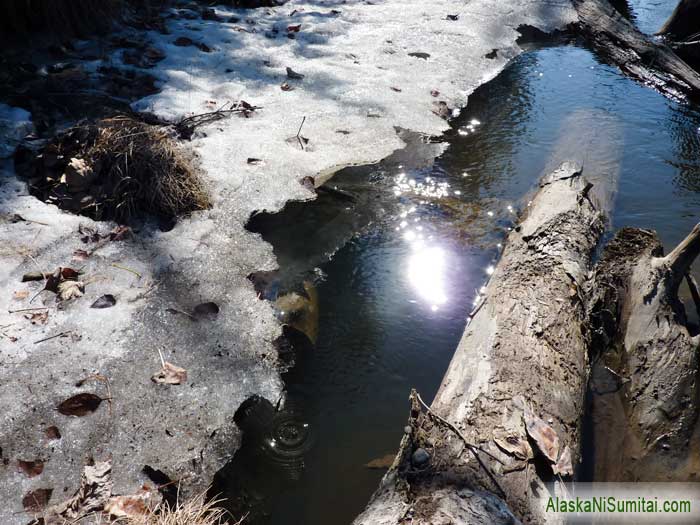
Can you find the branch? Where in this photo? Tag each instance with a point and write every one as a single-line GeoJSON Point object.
{"type": "Point", "coordinates": [680, 259]}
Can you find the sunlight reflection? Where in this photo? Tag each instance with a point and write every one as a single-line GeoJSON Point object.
{"type": "Point", "coordinates": [426, 273]}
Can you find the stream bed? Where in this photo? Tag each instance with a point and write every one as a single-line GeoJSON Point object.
{"type": "Point", "coordinates": [385, 266]}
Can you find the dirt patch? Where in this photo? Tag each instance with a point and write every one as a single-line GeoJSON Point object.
{"type": "Point", "coordinates": [118, 168]}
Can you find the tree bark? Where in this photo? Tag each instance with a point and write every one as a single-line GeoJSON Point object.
{"type": "Point", "coordinates": [684, 22]}
{"type": "Point", "coordinates": [641, 336]}
{"type": "Point", "coordinates": [619, 42]}
{"type": "Point", "coordinates": [522, 362]}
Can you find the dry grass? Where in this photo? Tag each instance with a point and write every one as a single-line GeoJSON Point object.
{"type": "Point", "coordinates": [136, 169]}
{"type": "Point", "coordinates": [197, 511]}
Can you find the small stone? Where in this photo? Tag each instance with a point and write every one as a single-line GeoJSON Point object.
{"type": "Point", "coordinates": [420, 458]}
{"type": "Point", "coordinates": [407, 430]}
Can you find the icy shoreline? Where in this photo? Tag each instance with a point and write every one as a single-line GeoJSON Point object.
{"type": "Point", "coordinates": [366, 73]}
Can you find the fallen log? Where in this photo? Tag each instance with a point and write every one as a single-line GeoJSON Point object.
{"type": "Point", "coordinates": [639, 56]}
{"type": "Point", "coordinates": [505, 423]}
{"type": "Point", "coordinates": [684, 21]}
{"type": "Point", "coordinates": [642, 342]}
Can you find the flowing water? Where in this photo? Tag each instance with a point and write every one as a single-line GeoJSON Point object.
{"type": "Point", "coordinates": [386, 264]}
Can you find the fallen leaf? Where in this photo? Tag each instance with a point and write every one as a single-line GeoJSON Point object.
{"type": "Point", "coordinates": [93, 494]}
{"type": "Point", "coordinates": [33, 276]}
{"type": "Point", "coordinates": [563, 467]}
{"type": "Point", "coordinates": [515, 446]}
{"type": "Point", "coordinates": [453, 17]}
{"type": "Point", "coordinates": [88, 234]}
{"type": "Point", "coordinates": [309, 183]}
{"type": "Point", "coordinates": [129, 506]}
{"type": "Point", "coordinates": [52, 433]}
{"type": "Point", "coordinates": [294, 28]}
{"type": "Point", "coordinates": [435, 93]}
{"type": "Point", "coordinates": [20, 294]}
{"type": "Point", "coordinates": [31, 468]}
{"type": "Point", "coordinates": [293, 74]}
{"type": "Point", "coordinates": [183, 41]}
{"type": "Point", "coordinates": [106, 301]}
{"type": "Point", "coordinates": [36, 500]}
{"type": "Point", "coordinates": [38, 317]}
{"type": "Point", "coordinates": [286, 87]}
{"type": "Point", "coordinates": [80, 405]}
{"type": "Point", "coordinates": [80, 255]}
{"type": "Point", "coordinates": [381, 463]}
{"type": "Point", "coordinates": [543, 435]}
{"type": "Point", "coordinates": [420, 54]}
{"type": "Point", "coordinates": [119, 233]}
{"type": "Point", "coordinates": [207, 311]}
{"type": "Point", "coordinates": [254, 161]}
{"type": "Point", "coordinates": [398, 90]}
{"type": "Point", "coordinates": [68, 290]}
{"type": "Point", "coordinates": [170, 375]}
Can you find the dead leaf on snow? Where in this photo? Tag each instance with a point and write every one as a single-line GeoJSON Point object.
{"type": "Point", "coordinates": [68, 290]}
{"type": "Point", "coordinates": [286, 87]}
{"type": "Point", "coordinates": [38, 317]}
{"type": "Point", "coordinates": [33, 276]}
{"type": "Point", "coordinates": [20, 294]}
{"type": "Point", "coordinates": [80, 255]}
{"type": "Point", "coordinates": [80, 405]}
{"type": "Point", "coordinates": [170, 375]}
{"type": "Point", "coordinates": [36, 500]}
{"type": "Point", "coordinates": [564, 467]}
{"type": "Point", "coordinates": [294, 28]}
{"type": "Point", "coordinates": [52, 433]}
{"type": "Point", "coordinates": [106, 301]}
{"type": "Point", "coordinates": [206, 311]}
{"type": "Point", "coordinates": [293, 74]}
{"type": "Point", "coordinates": [543, 435]}
{"type": "Point", "coordinates": [131, 506]}
{"type": "Point", "coordinates": [31, 468]}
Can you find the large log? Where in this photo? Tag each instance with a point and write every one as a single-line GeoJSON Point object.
{"type": "Point", "coordinates": [642, 341]}
{"type": "Point", "coordinates": [684, 22]}
{"type": "Point", "coordinates": [637, 55]}
{"type": "Point", "coordinates": [522, 359]}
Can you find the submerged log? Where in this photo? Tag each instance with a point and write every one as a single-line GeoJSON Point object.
{"type": "Point", "coordinates": [506, 421]}
{"type": "Point", "coordinates": [642, 338]}
{"type": "Point", "coordinates": [637, 55]}
{"type": "Point", "coordinates": [684, 22]}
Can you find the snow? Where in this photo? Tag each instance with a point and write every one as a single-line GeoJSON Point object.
{"type": "Point", "coordinates": [15, 124]}
{"type": "Point", "coordinates": [350, 60]}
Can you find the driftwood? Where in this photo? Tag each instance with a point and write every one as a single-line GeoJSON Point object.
{"type": "Point", "coordinates": [643, 342]}
{"type": "Point", "coordinates": [684, 22]}
{"type": "Point", "coordinates": [619, 42]}
{"type": "Point", "coordinates": [522, 362]}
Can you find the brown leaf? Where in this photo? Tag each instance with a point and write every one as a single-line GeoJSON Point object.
{"type": "Point", "coordinates": [20, 294]}
{"type": "Point", "coordinates": [564, 466]}
{"type": "Point", "coordinates": [543, 435]}
{"type": "Point", "coordinates": [31, 468]}
{"type": "Point", "coordinates": [33, 276]}
{"type": "Point", "coordinates": [254, 161]}
{"type": "Point", "coordinates": [106, 301]}
{"type": "Point", "coordinates": [294, 28]}
{"type": "Point", "coordinates": [286, 87]}
{"type": "Point", "coordinates": [36, 500]}
{"type": "Point", "coordinates": [170, 375]}
{"type": "Point", "coordinates": [119, 233]}
{"type": "Point", "coordinates": [515, 446]}
{"type": "Point", "coordinates": [52, 433]}
{"type": "Point", "coordinates": [293, 74]}
{"type": "Point", "coordinates": [38, 318]}
{"type": "Point", "coordinates": [393, 88]}
{"type": "Point", "coordinates": [130, 506]}
{"type": "Point", "coordinates": [205, 311]}
{"type": "Point", "coordinates": [381, 463]}
{"type": "Point", "coordinates": [80, 255]}
{"type": "Point", "coordinates": [80, 405]}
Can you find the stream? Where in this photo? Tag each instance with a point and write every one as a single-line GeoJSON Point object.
{"type": "Point", "coordinates": [385, 266]}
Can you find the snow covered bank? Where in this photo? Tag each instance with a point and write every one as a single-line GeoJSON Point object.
{"type": "Point", "coordinates": [367, 69]}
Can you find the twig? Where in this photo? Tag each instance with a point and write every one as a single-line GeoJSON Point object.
{"type": "Point", "coordinates": [301, 143]}
{"type": "Point", "coordinates": [27, 310]}
{"type": "Point", "coordinates": [137, 274]}
{"type": "Point", "coordinates": [53, 337]}
{"type": "Point", "coordinates": [472, 448]}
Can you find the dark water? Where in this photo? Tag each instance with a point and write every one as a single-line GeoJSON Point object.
{"type": "Point", "coordinates": [410, 243]}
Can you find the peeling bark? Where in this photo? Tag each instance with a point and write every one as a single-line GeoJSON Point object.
{"type": "Point", "coordinates": [524, 352]}
{"type": "Point", "coordinates": [641, 335]}
{"type": "Point", "coordinates": [649, 61]}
